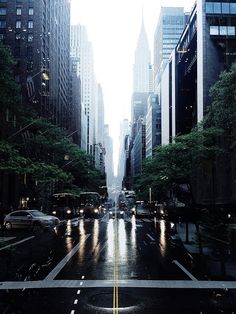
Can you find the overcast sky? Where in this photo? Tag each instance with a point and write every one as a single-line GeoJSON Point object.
{"type": "Point", "coordinates": [113, 27]}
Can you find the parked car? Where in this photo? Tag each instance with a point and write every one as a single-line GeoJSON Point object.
{"type": "Point", "coordinates": [29, 219]}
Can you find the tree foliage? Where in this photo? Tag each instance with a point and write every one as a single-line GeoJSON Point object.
{"type": "Point", "coordinates": [34, 148]}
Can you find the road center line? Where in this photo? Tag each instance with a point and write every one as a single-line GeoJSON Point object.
{"type": "Point", "coordinates": [16, 243]}
{"type": "Point", "coordinates": [185, 270]}
{"type": "Point", "coordinates": [65, 260]}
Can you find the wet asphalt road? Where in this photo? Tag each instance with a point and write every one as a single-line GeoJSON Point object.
{"type": "Point", "coordinates": [112, 256]}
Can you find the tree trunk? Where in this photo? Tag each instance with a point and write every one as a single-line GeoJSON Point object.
{"type": "Point", "coordinates": [199, 239]}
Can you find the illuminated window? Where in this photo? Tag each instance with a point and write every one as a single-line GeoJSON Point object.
{"type": "Point", "coordinates": [18, 24]}
{"type": "Point", "coordinates": [214, 30]}
{"type": "Point", "coordinates": [30, 24]}
{"type": "Point", "coordinates": [18, 11]}
{"type": "Point", "coordinates": [231, 30]}
{"type": "Point", "coordinates": [223, 30]}
{"type": "Point", "coordinates": [31, 11]}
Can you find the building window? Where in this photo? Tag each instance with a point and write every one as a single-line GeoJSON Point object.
{"type": "Point", "coordinates": [225, 8]}
{"type": "Point", "coordinates": [3, 24]}
{"type": "Point", "coordinates": [30, 38]}
{"type": "Point", "coordinates": [214, 30]}
{"type": "Point", "coordinates": [17, 36]}
{"type": "Point", "coordinates": [30, 24]}
{"type": "Point", "coordinates": [233, 8]}
{"type": "Point", "coordinates": [18, 11]}
{"type": "Point", "coordinates": [231, 30]}
{"type": "Point", "coordinates": [223, 30]}
{"type": "Point", "coordinates": [1, 37]}
{"type": "Point", "coordinates": [3, 11]}
{"type": "Point", "coordinates": [31, 11]}
{"type": "Point", "coordinates": [217, 7]}
{"type": "Point", "coordinates": [18, 24]}
{"type": "Point", "coordinates": [209, 7]}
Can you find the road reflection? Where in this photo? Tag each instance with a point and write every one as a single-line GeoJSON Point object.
{"type": "Point", "coordinates": [81, 251]}
{"type": "Point", "coordinates": [163, 237]}
{"type": "Point", "coordinates": [95, 242]}
{"type": "Point", "coordinates": [110, 241]}
{"type": "Point", "coordinates": [122, 239]}
{"type": "Point", "coordinates": [69, 243]}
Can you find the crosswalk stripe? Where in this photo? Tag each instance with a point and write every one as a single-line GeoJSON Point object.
{"type": "Point", "coordinates": [154, 284]}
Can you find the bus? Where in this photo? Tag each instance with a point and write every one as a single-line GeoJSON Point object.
{"type": "Point", "coordinates": [64, 205]}
{"type": "Point", "coordinates": [90, 204]}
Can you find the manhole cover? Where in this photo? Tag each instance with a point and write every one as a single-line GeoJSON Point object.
{"type": "Point", "coordinates": [105, 301]}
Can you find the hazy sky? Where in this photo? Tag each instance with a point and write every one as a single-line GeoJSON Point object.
{"type": "Point", "coordinates": [113, 27]}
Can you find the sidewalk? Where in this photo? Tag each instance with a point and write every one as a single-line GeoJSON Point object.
{"type": "Point", "coordinates": [213, 265]}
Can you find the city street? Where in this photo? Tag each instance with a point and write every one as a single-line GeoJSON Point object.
{"type": "Point", "coordinates": [104, 265]}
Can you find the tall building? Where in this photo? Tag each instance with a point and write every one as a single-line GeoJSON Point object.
{"type": "Point", "coordinates": [124, 130]}
{"type": "Point", "coordinates": [99, 133]}
{"type": "Point", "coordinates": [153, 124]}
{"type": "Point", "coordinates": [141, 71]}
{"type": "Point", "coordinates": [38, 34]}
{"type": "Point", "coordinates": [99, 151]}
{"type": "Point", "coordinates": [81, 48]}
{"type": "Point", "coordinates": [169, 28]}
{"type": "Point", "coordinates": [109, 165]}
{"type": "Point", "coordinates": [206, 47]}
{"type": "Point", "coordinates": [138, 151]}
{"type": "Point", "coordinates": [75, 101]}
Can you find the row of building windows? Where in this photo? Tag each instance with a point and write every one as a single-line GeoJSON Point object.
{"type": "Point", "coordinates": [220, 8]}
{"type": "Point", "coordinates": [3, 24]}
{"type": "Point", "coordinates": [3, 11]}
{"type": "Point", "coordinates": [30, 24]}
{"type": "Point", "coordinates": [18, 37]}
{"type": "Point", "coordinates": [222, 30]}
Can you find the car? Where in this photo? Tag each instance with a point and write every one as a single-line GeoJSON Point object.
{"type": "Point", "coordinates": [116, 212]}
{"type": "Point", "coordinates": [90, 210]}
{"type": "Point", "coordinates": [29, 219]}
{"type": "Point", "coordinates": [142, 210]}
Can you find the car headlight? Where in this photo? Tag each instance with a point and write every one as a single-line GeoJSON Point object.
{"type": "Point", "coordinates": [81, 211]}
{"type": "Point", "coordinates": [54, 212]}
{"type": "Point", "coordinates": [68, 211]}
{"type": "Point", "coordinates": [155, 211]}
{"type": "Point", "coordinates": [95, 210]}
{"type": "Point", "coordinates": [122, 212]}
{"type": "Point", "coordinates": [133, 209]}
{"type": "Point", "coordinates": [162, 211]}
